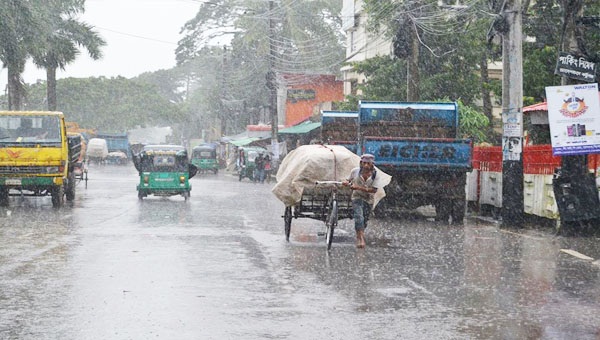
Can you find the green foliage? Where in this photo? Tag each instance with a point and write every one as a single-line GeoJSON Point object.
{"type": "Point", "coordinates": [473, 124]}
{"type": "Point", "coordinates": [540, 64]}
{"type": "Point", "coordinates": [386, 78]}
{"type": "Point", "coordinates": [110, 105]}
{"type": "Point", "coordinates": [350, 104]}
{"type": "Point", "coordinates": [230, 84]}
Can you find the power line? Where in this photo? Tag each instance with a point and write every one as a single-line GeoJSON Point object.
{"type": "Point", "coordinates": [136, 36]}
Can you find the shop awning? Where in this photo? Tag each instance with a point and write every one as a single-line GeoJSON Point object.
{"type": "Point", "coordinates": [538, 113]}
{"type": "Point", "coordinates": [244, 141]}
{"type": "Point", "coordinates": [301, 128]}
{"type": "Point", "coordinates": [536, 107]}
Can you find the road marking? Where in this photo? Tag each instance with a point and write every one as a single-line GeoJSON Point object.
{"type": "Point", "coordinates": [577, 254]}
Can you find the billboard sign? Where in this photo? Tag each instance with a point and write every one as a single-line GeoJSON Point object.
{"type": "Point", "coordinates": [575, 67]}
{"type": "Point", "coordinates": [574, 117]}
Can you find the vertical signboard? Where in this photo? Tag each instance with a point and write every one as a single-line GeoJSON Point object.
{"type": "Point", "coordinates": [574, 117]}
{"type": "Point", "coordinates": [512, 125]}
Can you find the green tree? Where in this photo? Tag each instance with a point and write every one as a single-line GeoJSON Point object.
{"type": "Point", "coordinates": [305, 36]}
{"type": "Point", "coordinates": [473, 124]}
{"type": "Point", "coordinates": [441, 49]}
{"type": "Point", "coordinates": [22, 24]}
{"type": "Point", "coordinates": [65, 37]}
{"type": "Point", "coordinates": [110, 105]}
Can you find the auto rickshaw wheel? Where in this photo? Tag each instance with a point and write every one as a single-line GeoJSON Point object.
{"type": "Point", "coordinates": [141, 195]}
{"type": "Point", "coordinates": [186, 195]}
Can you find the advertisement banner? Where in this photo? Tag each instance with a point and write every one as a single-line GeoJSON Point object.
{"type": "Point", "coordinates": [574, 117]}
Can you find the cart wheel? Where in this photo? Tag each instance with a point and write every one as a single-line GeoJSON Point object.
{"type": "Point", "coordinates": [287, 218]}
{"type": "Point", "coordinates": [331, 223]}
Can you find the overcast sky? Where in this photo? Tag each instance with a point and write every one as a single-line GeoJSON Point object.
{"type": "Point", "coordinates": [141, 36]}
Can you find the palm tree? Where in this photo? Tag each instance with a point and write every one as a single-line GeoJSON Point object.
{"type": "Point", "coordinates": [19, 36]}
{"type": "Point", "coordinates": [66, 37]}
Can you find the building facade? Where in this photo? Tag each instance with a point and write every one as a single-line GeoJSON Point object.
{"type": "Point", "coordinates": [360, 44]}
{"type": "Point", "coordinates": [306, 95]}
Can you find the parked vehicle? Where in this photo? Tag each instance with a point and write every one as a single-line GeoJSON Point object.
{"type": "Point", "coordinates": [418, 144]}
{"type": "Point", "coordinates": [340, 128]}
{"type": "Point", "coordinates": [80, 169]}
{"type": "Point", "coordinates": [116, 142]}
{"type": "Point", "coordinates": [245, 161]}
{"type": "Point", "coordinates": [37, 157]}
{"type": "Point", "coordinates": [97, 150]}
{"type": "Point", "coordinates": [204, 157]}
{"type": "Point", "coordinates": [117, 158]}
{"type": "Point", "coordinates": [164, 170]}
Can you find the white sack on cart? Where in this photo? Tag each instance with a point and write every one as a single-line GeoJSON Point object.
{"type": "Point", "coordinates": [305, 165]}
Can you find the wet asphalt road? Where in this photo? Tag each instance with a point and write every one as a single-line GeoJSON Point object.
{"type": "Point", "coordinates": [108, 266]}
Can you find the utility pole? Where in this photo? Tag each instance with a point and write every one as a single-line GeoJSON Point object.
{"type": "Point", "coordinates": [272, 86]}
{"type": "Point", "coordinates": [223, 119]}
{"type": "Point", "coordinates": [512, 117]}
{"type": "Point", "coordinates": [412, 67]}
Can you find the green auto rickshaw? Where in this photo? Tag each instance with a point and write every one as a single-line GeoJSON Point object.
{"type": "Point", "coordinates": [164, 171]}
{"type": "Point", "coordinates": [204, 157]}
{"type": "Point", "coordinates": [245, 161]}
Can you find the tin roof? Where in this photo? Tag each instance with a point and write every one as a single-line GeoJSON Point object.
{"type": "Point", "coordinates": [536, 107]}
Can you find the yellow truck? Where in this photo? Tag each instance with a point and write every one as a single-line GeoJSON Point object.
{"type": "Point", "coordinates": [37, 158]}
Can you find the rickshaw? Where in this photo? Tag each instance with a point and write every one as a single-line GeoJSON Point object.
{"type": "Point", "coordinates": [327, 201]}
{"type": "Point", "coordinates": [164, 171]}
{"type": "Point", "coordinates": [310, 184]}
{"type": "Point", "coordinates": [204, 157]}
{"type": "Point", "coordinates": [79, 164]}
{"type": "Point", "coordinates": [245, 161]}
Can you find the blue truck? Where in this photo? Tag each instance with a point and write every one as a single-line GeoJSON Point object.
{"type": "Point", "coordinates": [418, 144]}
{"type": "Point", "coordinates": [116, 142]}
{"type": "Point", "coordinates": [340, 128]}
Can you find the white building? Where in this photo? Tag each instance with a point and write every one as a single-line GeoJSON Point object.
{"type": "Point", "coordinates": [360, 45]}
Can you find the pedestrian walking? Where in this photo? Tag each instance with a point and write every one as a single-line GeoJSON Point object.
{"type": "Point", "coordinates": [268, 168]}
{"type": "Point", "coordinates": [260, 168]}
{"type": "Point", "coordinates": [363, 185]}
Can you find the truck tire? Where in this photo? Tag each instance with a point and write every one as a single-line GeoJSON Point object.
{"type": "Point", "coordinates": [58, 196]}
{"type": "Point", "coordinates": [443, 210]}
{"type": "Point", "coordinates": [3, 197]}
{"type": "Point", "coordinates": [70, 190]}
{"type": "Point", "coordinates": [458, 211]}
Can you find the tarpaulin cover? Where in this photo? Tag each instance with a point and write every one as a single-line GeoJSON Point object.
{"type": "Point", "coordinates": [307, 164]}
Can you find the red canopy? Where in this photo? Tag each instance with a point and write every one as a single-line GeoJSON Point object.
{"type": "Point", "coordinates": [536, 107]}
